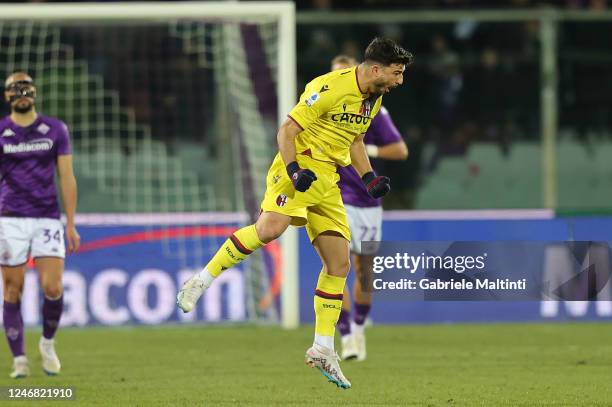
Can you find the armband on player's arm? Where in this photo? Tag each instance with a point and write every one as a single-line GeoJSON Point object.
{"type": "Point", "coordinates": [377, 185]}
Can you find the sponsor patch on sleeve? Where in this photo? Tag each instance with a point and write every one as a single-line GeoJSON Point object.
{"type": "Point", "coordinates": [312, 99]}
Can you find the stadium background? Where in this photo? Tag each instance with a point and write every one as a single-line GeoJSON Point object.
{"type": "Point", "coordinates": [506, 114]}
{"type": "Point", "coordinates": [154, 133]}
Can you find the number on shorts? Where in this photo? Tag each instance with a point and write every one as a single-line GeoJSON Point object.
{"type": "Point", "coordinates": [55, 236]}
{"type": "Point", "coordinates": [368, 231]}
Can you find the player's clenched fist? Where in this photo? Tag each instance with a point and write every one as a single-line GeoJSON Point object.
{"type": "Point", "coordinates": [377, 186]}
{"type": "Point", "coordinates": [301, 178]}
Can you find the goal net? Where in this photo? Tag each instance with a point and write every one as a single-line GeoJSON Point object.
{"type": "Point", "coordinates": [172, 108]}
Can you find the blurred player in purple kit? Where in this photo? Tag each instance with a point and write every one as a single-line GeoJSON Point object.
{"type": "Point", "coordinates": [32, 148]}
{"type": "Point", "coordinates": [384, 141]}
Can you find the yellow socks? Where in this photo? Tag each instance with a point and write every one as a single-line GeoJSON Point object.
{"type": "Point", "coordinates": [327, 306]}
{"type": "Point", "coordinates": [235, 249]}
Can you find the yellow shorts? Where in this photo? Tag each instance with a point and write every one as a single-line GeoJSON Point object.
{"type": "Point", "coordinates": [320, 208]}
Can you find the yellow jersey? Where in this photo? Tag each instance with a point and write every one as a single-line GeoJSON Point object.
{"type": "Point", "coordinates": [332, 112]}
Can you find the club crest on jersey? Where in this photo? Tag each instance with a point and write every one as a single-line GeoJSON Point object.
{"type": "Point", "coordinates": [43, 128]}
{"type": "Point", "coordinates": [8, 133]}
{"type": "Point", "coordinates": [366, 108]}
{"type": "Point", "coordinates": [281, 200]}
{"type": "Point", "coordinates": [312, 99]}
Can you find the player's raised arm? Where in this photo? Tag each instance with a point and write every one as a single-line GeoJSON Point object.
{"type": "Point", "coordinates": [377, 186]}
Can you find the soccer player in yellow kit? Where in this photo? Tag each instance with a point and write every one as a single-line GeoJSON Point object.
{"type": "Point", "coordinates": [324, 131]}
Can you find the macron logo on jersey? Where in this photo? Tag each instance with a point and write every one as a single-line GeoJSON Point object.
{"type": "Point", "coordinates": [41, 144]}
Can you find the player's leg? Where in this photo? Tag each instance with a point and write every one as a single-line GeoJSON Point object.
{"type": "Point", "coordinates": [362, 286]}
{"type": "Point", "coordinates": [281, 207]}
{"type": "Point", "coordinates": [48, 251]}
{"type": "Point", "coordinates": [334, 253]}
{"type": "Point", "coordinates": [14, 247]}
{"type": "Point", "coordinates": [13, 278]}
{"type": "Point", "coordinates": [236, 248]}
{"type": "Point", "coordinates": [349, 346]}
{"type": "Point", "coordinates": [50, 271]}
{"type": "Point", "coordinates": [245, 241]}
{"type": "Point", "coordinates": [349, 349]}
{"type": "Point", "coordinates": [353, 337]}
{"type": "Point", "coordinates": [362, 293]}
{"type": "Point", "coordinates": [242, 243]}
{"type": "Point", "coordinates": [330, 235]}
{"type": "Point", "coordinates": [370, 220]}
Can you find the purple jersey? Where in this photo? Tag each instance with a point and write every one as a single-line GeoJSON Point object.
{"type": "Point", "coordinates": [382, 131]}
{"type": "Point", "coordinates": [28, 159]}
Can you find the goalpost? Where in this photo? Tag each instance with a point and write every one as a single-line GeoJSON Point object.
{"type": "Point", "coordinates": [119, 156]}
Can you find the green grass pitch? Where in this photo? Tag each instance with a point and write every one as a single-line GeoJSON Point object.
{"type": "Point", "coordinates": [435, 365]}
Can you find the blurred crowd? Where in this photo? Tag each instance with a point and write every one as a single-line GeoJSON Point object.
{"type": "Point", "coordinates": [395, 4]}
{"type": "Point", "coordinates": [471, 81]}
{"type": "Point", "coordinates": [478, 82]}
{"type": "Point", "coordinates": [446, 4]}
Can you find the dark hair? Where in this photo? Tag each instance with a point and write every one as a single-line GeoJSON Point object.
{"type": "Point", "coordinates": [386, 52]}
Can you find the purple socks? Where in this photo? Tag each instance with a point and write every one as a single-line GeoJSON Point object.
{"type": "Point", "coordinates": [361, 313]}
{"type": "Point", "coordinates": [13, 327]}
{"type": "Point", "coordinates": [344, 323]}
{"type": "Point", "coordinates": [51, 313]}
{"type": "Point", "coordinates": [13, 322]}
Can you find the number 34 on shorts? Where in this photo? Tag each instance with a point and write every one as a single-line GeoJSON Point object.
{"type": "Point", "coordinates": [38, 237]}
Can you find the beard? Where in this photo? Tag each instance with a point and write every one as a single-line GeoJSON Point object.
{"type": "Point", "coordinates": [23, 108]}
{"type": "Point", "coordinates": [380, 87]}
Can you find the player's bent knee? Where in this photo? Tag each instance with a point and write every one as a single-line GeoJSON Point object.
{"type": "Point", "coordinates": [52, 291]}
{"type": "Point", "coordinates": [268, 233]}
{"type": "Point", "coordinates": [269, 229]}
{"type": "Point", "coordinates": [338, 269]}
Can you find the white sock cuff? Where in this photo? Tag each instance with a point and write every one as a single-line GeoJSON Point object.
{"type": "Point", "coordinates": [20, 358]}
{"type": "Point", "coordinates": [357, 329]}
{"type": "Point", "coordinates": [325, 341]}
{"type": "Point", "coordinates": [206, 277]}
